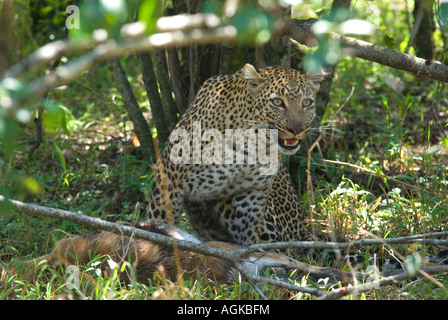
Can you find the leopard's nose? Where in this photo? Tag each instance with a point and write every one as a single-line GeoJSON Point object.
{"type": "Point", "coordinates": [299, 129]}
{"type": "Point", "coordinates": [296, 122]}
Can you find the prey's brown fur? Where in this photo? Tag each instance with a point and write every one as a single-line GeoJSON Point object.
{"type": "Point", "coordinates": [146, 257]}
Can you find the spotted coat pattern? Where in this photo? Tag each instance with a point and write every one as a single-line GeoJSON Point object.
{"type": "Point", "coordinates": [232, 201]}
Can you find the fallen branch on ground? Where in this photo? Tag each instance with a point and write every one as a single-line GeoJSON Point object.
{"type": "Point", "coordinates": [347, 290]}
{"type": "Point", "coordinates": [36, 210]}
{"type": "Point", "coordinates": [237, 256]}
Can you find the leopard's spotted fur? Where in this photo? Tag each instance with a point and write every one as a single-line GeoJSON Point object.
{"type": "Point", "coordinates": [234, 202]}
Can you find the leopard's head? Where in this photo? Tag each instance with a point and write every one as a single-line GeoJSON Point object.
{"type": "Point", "coordinates": [284, 99]}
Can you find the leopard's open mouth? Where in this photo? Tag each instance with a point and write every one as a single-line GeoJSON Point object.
{"type": "Point", "coordinates": [289, 144]}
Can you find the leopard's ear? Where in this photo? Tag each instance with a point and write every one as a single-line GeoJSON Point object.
{"type": "Point", "coordinates": [316, 77]}
{"type": "Point", "coordinates": [255, 81]}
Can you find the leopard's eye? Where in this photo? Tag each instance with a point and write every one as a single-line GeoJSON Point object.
{"type": "Point", "coordinates": [278, 102]}
{"type": "Point", "coordinates": [306, 103]}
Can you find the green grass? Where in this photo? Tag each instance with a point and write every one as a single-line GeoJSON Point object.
{"type": "Point", "coordinates": [399, 135]}
{"type": "Point", "coordinates": [92, 282]}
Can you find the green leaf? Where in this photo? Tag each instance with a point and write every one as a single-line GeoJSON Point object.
{"type": "Point", "coordinates": [56, 117]}
{"type": "Point", "coordinates": [339, 15]}
{"type": "Point", "coordinates": [212, 6]}
{"type": "Point", "coordinates": [413, 263]}
{"type": "Point", "coordinates": [253, 24]}
{"type": "Point", "coordinates": [6, 207]}
{"type": "Point", "coordinates": [32, 185]}
{"type": "Point", "coordinates": [15, 88]}
{"type": "Point", "coordinates": [149, 12]}
{"type": "Point", "coordinates": [60, 155]}
{"type": "Point", "coordinates": [8, 135]}
{"type": "Point", "coordinates": [389, 41]}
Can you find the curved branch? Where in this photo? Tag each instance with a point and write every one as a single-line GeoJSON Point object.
{"type": "Point", "coordinates": [41, 211]}
{"type": "Point", "coordinates": [111, 49]}
{"type": "Point", "coordinates": [421, 68]}
{"type": "Point", "coordinates": [300, 30]}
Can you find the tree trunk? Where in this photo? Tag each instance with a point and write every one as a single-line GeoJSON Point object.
{"type": "Point", "coordinates": [141, 127]}
{"type": "Point", "coordinates": [208, 61]}
{"type": "Point", "coordinates": [225, 54]}
{"type": "Point", "coordinates": [166, 92]}
{"type": "Point", "coordinates": [277, 51]}
{"type": "Point", "coordinates": [424, 18]}
{"type": "Point", "coordinates": [6, 22]}
{"type": "Point", "coordinates": [179, 88]}
{"type": "Point", "coordinates": [152, 90]}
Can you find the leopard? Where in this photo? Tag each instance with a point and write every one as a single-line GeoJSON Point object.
{"type": "Point", "coordinates": [241, 202]}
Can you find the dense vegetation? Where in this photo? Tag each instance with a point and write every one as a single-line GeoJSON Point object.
{"type": "Point", "coordinates": [381, 168]}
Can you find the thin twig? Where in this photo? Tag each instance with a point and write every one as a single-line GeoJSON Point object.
{"type": "Point", "coordinates": [373, 173]}
{"type": "Point", "coordinates": [286, 285]}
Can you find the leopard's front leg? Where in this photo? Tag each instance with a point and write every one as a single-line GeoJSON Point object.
{"type": "Point", "coordinates": [250, 208]}
{"type": "Point", "coordinates": [165, 205]}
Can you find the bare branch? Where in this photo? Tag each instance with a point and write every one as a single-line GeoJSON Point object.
{"type": "Point", "coordinates": [36, 210]}
{"type": "Point", "coordinates": [347, 290]}
{"type": "Point", "coordinates": [45, 54]}
{"type": "Point", "coordinates": [422, 239]}
{"type": "Point", "coordinates": [421, 68]}
{"type": "Point", "coordinates": [198, 31]}
{"type": "Point", "coordinates": [257, 279]}
{"type": "Point", "coordinates": [233, 256]}
{"type": "Point", "coordinates": [300, 30]}
{"type": "Point", "coordinates": [111, 49]}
